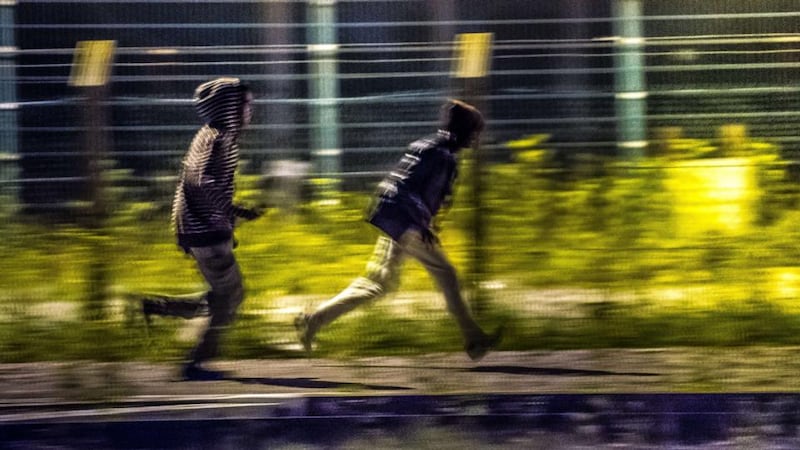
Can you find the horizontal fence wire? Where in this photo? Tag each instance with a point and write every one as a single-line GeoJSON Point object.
{"type": "Point", "coordinates": [552, 73]}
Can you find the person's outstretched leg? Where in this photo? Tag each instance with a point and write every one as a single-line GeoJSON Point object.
{"type": "Point", "coordinates": [476, 342]}
{"type": "Point", "coordinates": [380, 277]}
{"type": "Point", "coordinates": [220, 269]}
{"type": "Point", "coordinates": [186, 306]}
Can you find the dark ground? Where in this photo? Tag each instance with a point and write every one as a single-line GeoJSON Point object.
{"type": "Point", "coordinates": [660, 398]}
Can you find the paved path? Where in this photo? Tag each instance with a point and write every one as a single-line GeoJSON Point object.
{"type": "Point", "coordinates": [675, 397]}
{"type": "Point", "coordinates": [699, 370]}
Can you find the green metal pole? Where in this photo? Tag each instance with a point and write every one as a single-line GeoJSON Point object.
{"type": "Point", "coordinates": [630, 86]}
{"type": "Point", "coordinates": [324, 89]}
{"type": "Point", "coordinates": [9, 156]}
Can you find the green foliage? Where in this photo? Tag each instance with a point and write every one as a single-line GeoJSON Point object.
{"type": "Point", "coordinates": [646, 325]}
{"type": "Point", "coordinates": [658, 266]}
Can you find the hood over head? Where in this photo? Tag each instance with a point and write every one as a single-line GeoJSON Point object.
{"type": "Point", "coordinates": [221, 102]}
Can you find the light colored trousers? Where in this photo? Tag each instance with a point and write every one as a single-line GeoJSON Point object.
{"type": "Point", "coordinates": [221, 271]}
{"type": "Point", "coordinates": [382, 275]}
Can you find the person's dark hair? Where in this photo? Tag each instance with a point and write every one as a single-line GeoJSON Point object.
{"type": "Point", "coordinates": [461, 119]}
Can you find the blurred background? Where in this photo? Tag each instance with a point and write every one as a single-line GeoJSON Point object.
{"type": "Point", "coordinates": [636, 186]}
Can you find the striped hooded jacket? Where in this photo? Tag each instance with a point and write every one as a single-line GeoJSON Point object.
{"type": "Point", "coordinates": [203, 212]}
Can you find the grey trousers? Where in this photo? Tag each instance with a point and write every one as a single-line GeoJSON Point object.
{"type": "Point", "coordinates": [381, 277]}
{"type": "Point", "coordinates": [226, 292]}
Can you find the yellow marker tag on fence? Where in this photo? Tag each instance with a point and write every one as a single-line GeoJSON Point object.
{"type": "Point", "coordinates": [91, 65]}
{"type": "Point", "coordinates": [473, 51]}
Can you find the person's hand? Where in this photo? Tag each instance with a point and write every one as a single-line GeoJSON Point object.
{"type": "Point", "coordinates": [436, 226]}
{"type": "Point", "coordinates": [250, 213]}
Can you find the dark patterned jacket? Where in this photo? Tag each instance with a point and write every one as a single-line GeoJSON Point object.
{"type": "Point", "coordinates": [203, 212]}
{"type": "Point", "coordinates": [414, 191]}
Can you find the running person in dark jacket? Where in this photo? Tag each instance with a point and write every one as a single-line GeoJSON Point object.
{"type": "Point", "coordinates": [204, 215]}
{"type": "Point", "coordinates": [407, 201]}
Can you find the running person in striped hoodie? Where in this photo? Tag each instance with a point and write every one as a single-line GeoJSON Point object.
{"type": "Point", "coordinates": [204, 215]}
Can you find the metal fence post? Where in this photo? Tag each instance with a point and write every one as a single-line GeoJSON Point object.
{"type": "Point", "coordinates": [471, 67]}
{"type": "Point", "coordinates": [629, 80]}
{"type": "Point", "coordinates": [9, 156]}
{"type": "Point", "coordinates": [324, 90]}
{"type": "Point", "coordinates": [90, 73]}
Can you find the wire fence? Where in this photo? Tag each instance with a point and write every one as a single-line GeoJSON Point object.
{"type": "Point", "coordinates": [637, 149]}
{"type": "Point", "coordinates": [555, 70]}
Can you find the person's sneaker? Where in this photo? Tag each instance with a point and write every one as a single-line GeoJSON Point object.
{"type": "Point", "coordinates": [303, 333]}
{"type": "Point", "coordinates": [193, 372]}
{"type": "Point", "coordinates": [477, 350]}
